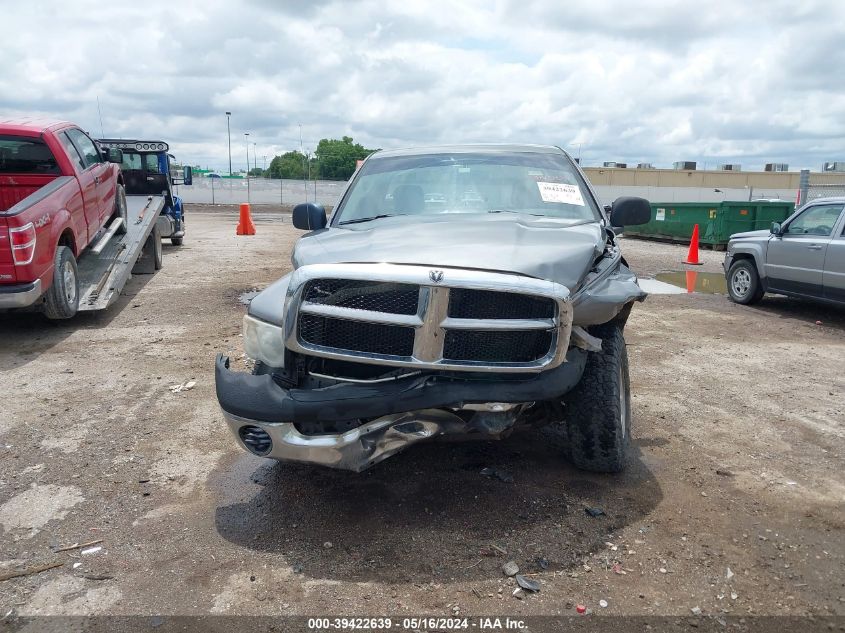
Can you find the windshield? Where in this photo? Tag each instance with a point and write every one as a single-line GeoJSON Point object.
{"type": "Point", "coordinates": [543, 184]}
{"type": "Point", "coordinates": [148, 162]}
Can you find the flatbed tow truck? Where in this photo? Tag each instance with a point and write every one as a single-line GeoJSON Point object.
{"type": "Point", "coordinates": [108, 265]}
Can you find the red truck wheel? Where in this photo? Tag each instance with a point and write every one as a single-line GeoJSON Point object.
{"type": "Point", "coordinates": [120, 209]}
{"type": "Point", "coordinates": [62, 299]}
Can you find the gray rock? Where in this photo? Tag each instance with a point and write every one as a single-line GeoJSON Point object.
{"type": "Point", "coordinates": [510, 568]}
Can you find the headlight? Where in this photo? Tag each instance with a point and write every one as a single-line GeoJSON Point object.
{"type": "Point", "coordinates": [264, 342]}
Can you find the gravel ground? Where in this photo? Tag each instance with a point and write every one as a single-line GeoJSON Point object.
{"type": "Point", "coordinates": [732, 504]}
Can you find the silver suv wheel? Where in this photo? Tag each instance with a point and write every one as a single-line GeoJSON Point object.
{"type": "Point", "coordinates": [741, 282]}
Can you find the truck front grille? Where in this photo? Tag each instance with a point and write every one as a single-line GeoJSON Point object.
{"type": "Point", "coordinates": [414, 316]}
{"type": "Point", "coordinates": [356, 336]}
{"type": "Point", "coordinates": [497, 347]}
{"type": "Point", "coordinates": [387, 297]}
{"type": "Point", "coordinates": [490, 304]}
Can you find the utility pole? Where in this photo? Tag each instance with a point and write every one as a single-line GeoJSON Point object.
{"type": "Point", "coordinates": [229, 133]}
{"type": "Point", "coordinates": [304, 159]}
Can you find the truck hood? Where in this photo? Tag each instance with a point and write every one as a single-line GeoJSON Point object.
{"type": "Point", "coordinates": [751, 234]}
{"type": "Point", "coordinates": [546, 248]}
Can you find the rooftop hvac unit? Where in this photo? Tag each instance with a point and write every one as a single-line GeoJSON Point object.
{"type": "Point", "coordinates": [730, 167]}
{"type": "Point", "coordinates": [645, 166]}
{"type": "Point", "coordinates": [609, 163]}
{"type": "Point", "coordinates": [684, 165]}
{"type": "Point", "coordinates": [836, 165]}
{"type": "Point", "coordinates": [776, 167]}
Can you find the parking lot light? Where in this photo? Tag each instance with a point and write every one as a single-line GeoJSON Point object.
{"type": "Point", "coordinates": [229, 134]}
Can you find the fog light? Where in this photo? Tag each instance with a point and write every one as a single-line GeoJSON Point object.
{"type": "Point", "coordinates": [256, 439]}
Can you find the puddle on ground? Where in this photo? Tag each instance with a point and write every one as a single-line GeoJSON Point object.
{"type": "Point", "coordinates": [654, 287]}
{"type": "Point", "coordinates": [246, 297]}
{"type": "Point", "coordinates": [685, 281]}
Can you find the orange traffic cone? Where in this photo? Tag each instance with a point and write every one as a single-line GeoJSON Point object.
{"type": "Point", "coordinates": [692, 255]}
{"type": "Point", "coordinates": [245, 225]}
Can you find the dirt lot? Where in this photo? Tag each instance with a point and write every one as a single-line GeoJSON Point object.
{"type": "Point", "coordinates": [733, 502]}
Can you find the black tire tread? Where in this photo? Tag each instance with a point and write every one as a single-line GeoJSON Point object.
{"type": "Point", "coordinates": [158, 255]}
{"type": "Point", "coordinates": [593, 411]}
{"type": "Point", "coordinates": [121, 192]}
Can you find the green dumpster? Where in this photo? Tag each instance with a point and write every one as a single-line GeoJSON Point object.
{"type": "Point", "coordinates": [717, 221]}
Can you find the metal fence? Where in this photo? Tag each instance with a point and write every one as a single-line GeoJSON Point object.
{"type": "Point", "coordinates": [825, 190]}
{"type": "Point", "coordinates": [261, 191]}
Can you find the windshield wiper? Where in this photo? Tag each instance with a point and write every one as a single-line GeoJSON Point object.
{"type": "Point", "coordinates": [374, 217]}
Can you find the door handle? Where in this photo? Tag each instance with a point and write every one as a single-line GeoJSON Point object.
{"type": "Point", "coordinates": [814, 247]}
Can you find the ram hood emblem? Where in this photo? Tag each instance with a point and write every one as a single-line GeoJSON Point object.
{"type": "Point", "coordinates": [435, 275]}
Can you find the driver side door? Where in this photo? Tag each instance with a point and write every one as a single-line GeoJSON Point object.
{"type": "Point", "coordinates": [795, 259]}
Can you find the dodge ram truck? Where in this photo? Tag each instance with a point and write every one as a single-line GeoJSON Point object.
{"type": "Point", "coordinates": [454, 290]}
{"type": "Point", "coordinates": [57, 191]}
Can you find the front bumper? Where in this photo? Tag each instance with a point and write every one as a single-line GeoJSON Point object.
{"type": "Point", "coordinates": [359, 448]}
{"type": "Point", "coordinates": [402, 412]}
{"type": "Point", "coordinates": [20, 295]}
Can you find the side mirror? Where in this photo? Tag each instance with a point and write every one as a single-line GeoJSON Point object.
{"type": "Point", "coordinates": [630, 211]}
{"type": "Point", "coordinates": [114, 155]}
{"type": "Point", "coordinates": [309, 216]}
{"type": "Point", "coordinates": [777, 229]}
{"type": "Point", "coordinates": [188, 176]}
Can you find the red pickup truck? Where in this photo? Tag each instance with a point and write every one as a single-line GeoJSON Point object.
{"type": "Point", "coordinates": [57, 191]}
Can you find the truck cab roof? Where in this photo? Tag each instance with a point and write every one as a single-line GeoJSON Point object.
{"type": "Point", "coordinates": [32, 126]}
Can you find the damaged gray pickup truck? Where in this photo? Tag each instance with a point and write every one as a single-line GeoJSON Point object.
{"type": "Point", "coordinates": [454, 290]}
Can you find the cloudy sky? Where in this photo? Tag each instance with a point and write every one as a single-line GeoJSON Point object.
{"type": "Point", "coordinates": [637, 81]}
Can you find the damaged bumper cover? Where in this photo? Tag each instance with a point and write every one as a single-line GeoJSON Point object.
{"type": "Point", "coordinates": [400, 413]}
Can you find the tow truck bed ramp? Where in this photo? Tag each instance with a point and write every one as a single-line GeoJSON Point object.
{"type": "Point", "coordinates": [102, 276]}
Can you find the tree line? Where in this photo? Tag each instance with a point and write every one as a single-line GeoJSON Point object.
{"type": "Point", "coordinates": [334, 159]}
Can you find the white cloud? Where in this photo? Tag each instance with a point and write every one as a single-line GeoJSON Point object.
{"type": "Point", "coordinates": [649, 81]}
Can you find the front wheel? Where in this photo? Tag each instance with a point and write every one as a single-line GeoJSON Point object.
{"type": "Point", "coordinates": [744, 283]}
{"type": "Point", "coordinates": [598, 409]}
{"type": "Point", "coordinates": [62, 299]}
{"type": "Point", "coordinates": [120, 209]}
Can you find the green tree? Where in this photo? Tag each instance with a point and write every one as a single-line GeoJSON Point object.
{"type": "Point", "coordinates": [288, 165]}
{"type": "Point", "coordinates": [256, 172]}
{"type": "Point", "coordinates": [336, 158]}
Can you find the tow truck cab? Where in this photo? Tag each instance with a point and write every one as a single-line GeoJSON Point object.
{"type": "Point", "coordinates": [149, 169]}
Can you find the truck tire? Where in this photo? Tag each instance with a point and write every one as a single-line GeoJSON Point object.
{"type": "Point", "coordinates": [598, 409]}
{"type": "Point", "coordinates": [120, 209]}
{"type": "Point", "coordinates": [62, 299]}
{"type": "Point", "coordinates": [158, 259]}
{"type": "Point", "coordinates": [744, 285]}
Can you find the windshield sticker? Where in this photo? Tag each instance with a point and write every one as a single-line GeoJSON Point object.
{"type": "Point", "coordinates": [566, 194]}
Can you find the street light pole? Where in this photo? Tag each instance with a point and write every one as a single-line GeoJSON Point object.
{"type": "Point", "coordinates": [246, 136]}
{"type": "Point", "coordinates": [229, 134]}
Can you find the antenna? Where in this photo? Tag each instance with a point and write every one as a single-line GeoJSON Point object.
{"type": "Point", "coordinates": [102, 133]}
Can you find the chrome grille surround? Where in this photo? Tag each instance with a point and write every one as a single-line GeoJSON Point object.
{"type": "Point", "coordinates": [431, 321]}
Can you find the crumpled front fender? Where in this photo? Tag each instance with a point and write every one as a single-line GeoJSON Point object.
{"type": "Point", "coordinates": [606, 296]}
